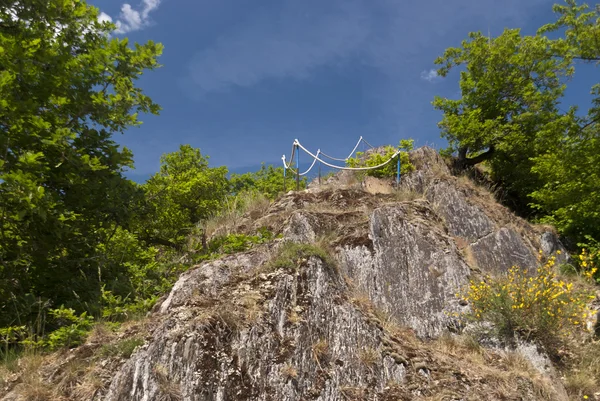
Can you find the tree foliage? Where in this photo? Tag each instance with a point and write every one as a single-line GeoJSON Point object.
{"type": "Point", "coordinates": [65, 88]}
{"type": "Point", "coordinates": [185, 192]}
{"type": "Point", "coordinates": [268, 180]}
{"type": "Point", "coordinates": [510, 116]}
{"type": "Point", "coordinates": [570, 166]}
{"type": "Point", "coordinates": [376, 158]}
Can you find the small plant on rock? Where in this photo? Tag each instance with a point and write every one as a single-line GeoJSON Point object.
{"type": "Point", "coordinates": [292, 254]}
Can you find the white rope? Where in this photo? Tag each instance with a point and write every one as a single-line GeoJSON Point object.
{"type": "Point", "coordinates": [356, 147]}
{"type": "Point", "coordinates": [296, 142]}
{"type": "Point", "coordinates": [312, 165]}
{"type": "Point", "coordinates": [372, 147]}
{"type": "Point", "coordinates": [349, 156]}
{"type": "Point", "coordinates": [289, 165]}
{"type": "Point", "coordinates": [333, 158]}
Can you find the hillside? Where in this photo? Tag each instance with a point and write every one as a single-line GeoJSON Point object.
{"type": "Point", "coordinates": [355, 299]}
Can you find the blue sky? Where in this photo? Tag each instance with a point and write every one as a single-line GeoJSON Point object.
{"type": "Point", "coordinates": [241, 79]}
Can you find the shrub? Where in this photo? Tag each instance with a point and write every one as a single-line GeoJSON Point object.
{"type": "Point", "coordinates": [123, 348]}
{"type": "Point", "coordinates": [232, 243]}
{"type": "Point", "coordinates": [376, 158]}
{"type": "Point", "coordinates": [589, 259]}
{"type": "Point", "coordinates": [537, 307]}
{"type": "Point", "coordinates": [292, 253]}
{"type": "Point", "coordinates": [72, 331]}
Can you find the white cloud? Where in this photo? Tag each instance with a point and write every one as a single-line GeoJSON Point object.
{"type": "Point", "coordinates": [431, 76]}
{"type": "Point", "coordinates": [132, 19]}
{"type": "Point", "coordinates": [103, 17]}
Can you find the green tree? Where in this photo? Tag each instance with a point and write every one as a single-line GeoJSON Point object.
{"type": "Point", "coordinates": [268, 180]}
{"type": "Point", "coordinates": [185, 192]}
{"type": "Point", "coordinates": [570, 166]}
{"type": "Point", "coordinates": [66, 86]}
{"type": "Point", "coordinates": [508, 116]}
{"type": "Point", "coordinates": [510, 92]}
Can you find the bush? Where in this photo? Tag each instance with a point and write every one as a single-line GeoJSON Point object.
{"type": "Point", "coordinates": [537, 307]}
{"type": "Point", "coordinates": [72, 331]}
{"type": "Point", "coordinates": [291, 254]}
{"type": "Point", "coordinates": [375, 159]}
{"type": "Point", "coordinates": [232, 243]}
{"type": "Point", "coordinates": [589, 260]}
{"type": "Point", "coordinates": [123, 348]}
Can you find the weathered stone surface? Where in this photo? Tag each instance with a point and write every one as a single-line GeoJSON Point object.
{"type": "Point", "coordinates": [501, 250]}
{"type": "Point", "coordinates": [486, 227]}
{"type": "Point", "coordinates": [209, 280]}
{"type": "Point", "coordinates": [462, 218]}
{"type": "Point", "coordinates": [306, 344]}
{"type": "Point", "coordinates": [376, 186]}
{"type": "Point", "coordinates": [301, 227]}
{"type": "Point", "coordinates": [414, 270]}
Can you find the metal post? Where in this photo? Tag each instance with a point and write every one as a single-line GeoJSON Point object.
{"type": "Point", "coordinates": [284, 173]}
{"type": "Point", "coordinates": [319, 173]}
{"type": "Point", "coordinates": [297, 169]}
{"type": "Point", "coordinates": [398, 173]}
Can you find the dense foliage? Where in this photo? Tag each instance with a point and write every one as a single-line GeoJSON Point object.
{"type": "Point", "coordinates": [185, 192]}
{"type": "Point", "coordinates": [509, 116]}
{"type": "Point", "coordinates": [268, 180]}
{"type": "Point", "coordinates": [66, 87]}
{"type": "Point", "coordinates": [376, 158]}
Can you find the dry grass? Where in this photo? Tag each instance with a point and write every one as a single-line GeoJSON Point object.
{"type": "Point", "coordinates": [460, 242]}
{"type": "Point", "coordinates": [469, 257]}
{"type": "Point", "coordinates": [167, 387]}
{"type": "Point", "coordinates": [464, 346]}
{"type": "Point", "coordinates": [289, 372]}
{"type": "Point", "coordinates": [251, 303]}
{"type": "Point", "coordinates": [294, 317]}
{"type": "Point", "coordinates": [583, 376]}
{"type": "Point", "coordinates": [369, 356]}
{"type": "Point", "coordinates": [404, 194]}
{"type": "Point", "coordinates": [320, 349]}
{"type": "Point", "coordinates": [245, 204]}
{"type": "Point", "coordinates": [90, 384]}
{"type": "Point", "coordinates": [101, 333]}
{"type": "Point", "coordinates": [580, 384]}
{"type": "Point", "coordinates": [33, 387]}
{"type": "Point", "coordinates": [500, 370]}
{"type": "Point", "coordinates": [360, 298]}
{"type": "Point", "coordinates": [353, 393]}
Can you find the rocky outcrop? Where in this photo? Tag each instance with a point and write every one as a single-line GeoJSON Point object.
{"type": "Point", "coordinates": [413, 269]}
{"type": "Point", "coordinates": [355, 325]}
{"type": "Point", "coordinates": [494, 237]}
{"type": "Point", "coordinates": [239, 329]}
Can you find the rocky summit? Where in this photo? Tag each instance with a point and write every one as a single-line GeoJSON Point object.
{"type": "Point", "coordinates": [355, 299]}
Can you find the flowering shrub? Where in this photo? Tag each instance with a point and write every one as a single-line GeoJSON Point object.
{"type": "Point", "coordinates": [588, 261]}
{"type": "Point", "coordinates": [537, 307]}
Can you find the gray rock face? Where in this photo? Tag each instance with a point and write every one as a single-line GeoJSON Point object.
{"type": "Point", "coordinates": [304, 342]}
{"type": "Point", "coordinates": [485, 227]}
{"type": "Point", "coordinates": [462, 219]}
{"type": "Point", "coordinates": [413, 270]}
{"type": "Point", "coordinates": [501, 250]}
